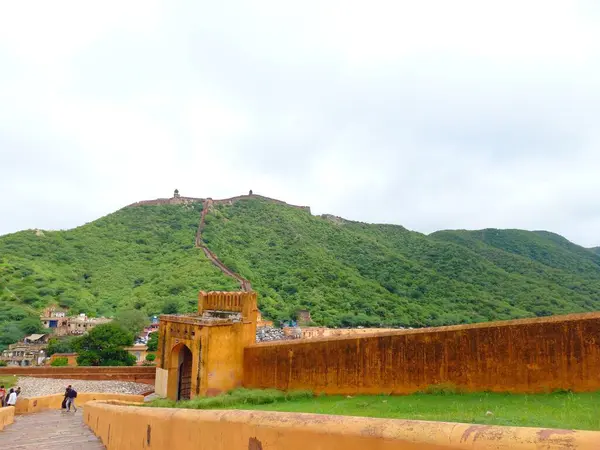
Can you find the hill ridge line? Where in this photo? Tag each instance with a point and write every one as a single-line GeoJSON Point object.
{"type": "Point", "coordinates": [224, 201]}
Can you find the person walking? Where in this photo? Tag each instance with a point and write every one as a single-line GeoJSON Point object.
{"type": "Point", "coordinates": [2, 395]}
{"type": "Point", "coordinates": [66, 397]}
{"type": "Point", "coordinates": [18, 391]}
{"type": "Point", "coordinates": [12, 398]}
{"type": "Point", "coordinates": [71, 396]}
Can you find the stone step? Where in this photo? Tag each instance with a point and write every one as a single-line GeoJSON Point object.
{"type": "Point", "coordinates": [49, 430]}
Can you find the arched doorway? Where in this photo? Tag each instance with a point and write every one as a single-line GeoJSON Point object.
{"type": "Point", "coordinates": [184, 373]}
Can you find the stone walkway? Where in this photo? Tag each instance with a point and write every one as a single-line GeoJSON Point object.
{"type": "Point", "coordinates": [49, 430]}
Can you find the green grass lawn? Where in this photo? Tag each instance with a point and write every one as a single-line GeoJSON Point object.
{"type": "Point", "coordinates": [555, 410]}
{"type": "Point", "coordinates": [8, 381]}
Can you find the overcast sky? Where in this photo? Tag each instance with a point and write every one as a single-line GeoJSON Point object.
{"type": "Point", "coordinates": [429, 114]}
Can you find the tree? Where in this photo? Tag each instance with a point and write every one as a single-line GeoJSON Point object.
{"type": "Point", "coordinates": [153, 341]}
{"type": "Point", "coordinates": [60, 345]}
{"type": "Point", "coordinates": [171, 307]}
{"type": "Point", "coordinates": [9, 334]}
{"type": "Point", "coordinates": [104, 346]}
{"type": "Point", "coordinates": [60, 362]}
{"type": "Point", "coordinates": [133, 320]}
{"type": "Point", "coordinates": [31, 325]}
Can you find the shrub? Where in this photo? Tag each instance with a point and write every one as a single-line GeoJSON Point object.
{"type": "Point", "coordinates": [3, 363]}
{"type": "Point", "coordinates": [150, 357]}
{"type": "Point", "coordinates": [237, 397]}
{"type": "Point", "coordinates": [153, 341]}
{"type": "Point", "coordinates": [442, 389]}
{"type": "Point", "coordinates": [60, 362]}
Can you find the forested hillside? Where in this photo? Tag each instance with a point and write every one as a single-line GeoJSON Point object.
{"type": "Point", "coordinates": [351, 273]}
{"type": "Point", "coordinates": [345, 273]}
{"type": "Point", "coordinates": [141, 257]}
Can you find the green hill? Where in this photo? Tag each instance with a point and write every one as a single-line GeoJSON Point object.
{"type": "Point", "coordinates": [346, 273]}
{"type": "Point", "coordinates": [141, 257]}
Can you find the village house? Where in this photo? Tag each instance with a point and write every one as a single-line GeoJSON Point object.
{"type": "Point", "coordinates": [28, 352]}
{"type": "Point", "coordinates": [59, 324]}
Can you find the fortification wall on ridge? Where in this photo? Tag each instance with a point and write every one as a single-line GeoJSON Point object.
{"type": "Point", "coordinates": [232, 200]}
{"type": "Point", "coordinates": [166, 201]}
{"type": "Point", "coordinates": [529, 355]}
{"type": "Point", "coordinates": [225, 201]}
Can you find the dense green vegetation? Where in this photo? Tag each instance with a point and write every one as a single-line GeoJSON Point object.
{"type": "Point", "coordinates": [349, 273]}
{"type": "Point", "coordinates": [140, 258]}
{"type": "Point", "coordinates": [142, 261]}
{"type": "Point", "coordinates": [234, 399]}
{"type": "Point", "coordinates": [8, 381]}
{"type": "Point", "coordinates": [104, 346]}
{"type": "Point", "coordinates": [553, 410]}
{"type": "Point", "coordinates": [153, 342]}
{"type": "Point", "coordinates": [60, 362]}
{"type": "Point", "coordinates": [62, 345]}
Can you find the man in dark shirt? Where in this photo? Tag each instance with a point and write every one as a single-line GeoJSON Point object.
{"type": "Point", "coordinates": [71, 395]}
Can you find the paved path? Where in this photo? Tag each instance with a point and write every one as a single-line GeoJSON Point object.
{"type": "Point", "coordinates": [49, 430]}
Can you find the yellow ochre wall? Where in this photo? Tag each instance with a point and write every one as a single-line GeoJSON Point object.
{"type": "Point", "coordinates": [217, 347]}
{"type": "Point", "coordinates": [225, 353]}
{"type": "Point", "coordinates": [7, 416]}
{"type": "Point", "coordinates": [217, 355]}
{"type": "Point", "coordinates": [172, 336]}
{"type": "Point", "coordinates": [529, 355]}
{"type": "Point", "coordinates": [130, 427]}
{"type": "Point", "coordinates": [26, 405]}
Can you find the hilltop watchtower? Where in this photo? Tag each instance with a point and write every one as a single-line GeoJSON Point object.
{"type": "Point", "coordinates": [202, 353]}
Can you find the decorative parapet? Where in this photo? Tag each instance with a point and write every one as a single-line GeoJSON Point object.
{"type": "Point", "coordinates": [233, 302]}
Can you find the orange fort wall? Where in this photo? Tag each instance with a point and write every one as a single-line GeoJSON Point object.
{"type": "Point", "coordinates": [203, 355]}
{"type": "Point", "coordinates": [529, 355]}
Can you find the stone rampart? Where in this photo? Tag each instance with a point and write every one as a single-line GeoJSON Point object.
{"type": "Point", "coordinates": [324, 332]}
{"type": "Point", "coordinates": [529, 355]}
{"type": "Point", "coordinates": [232, 200]}
{"type": "Point", "coordinates": [139, 374]}
{"type": "Point", "coordinates": [166, 201]}
{"type": "Point", "coordinates": [133, 428]}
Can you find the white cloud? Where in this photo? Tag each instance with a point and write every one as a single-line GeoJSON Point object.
{"type": "Point", "coordinates": [430, 114]}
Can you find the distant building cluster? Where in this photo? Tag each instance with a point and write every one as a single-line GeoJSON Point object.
{"type": "Point", "coordinates": [58, 324]}
{"type": "Point", "coordinates": [31, 351]}
{"type": "Point", "coordinates": [28, 352]}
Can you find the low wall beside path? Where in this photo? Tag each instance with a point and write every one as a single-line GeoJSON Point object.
{"type": "Point", "coordinates": [7, 416]}
{"type": "Point", "coordinates": [133, 427]}
{"type": "Point", "coordinates": [138, 374]}
{"type": "Point", "coordinates": [27, 405]}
